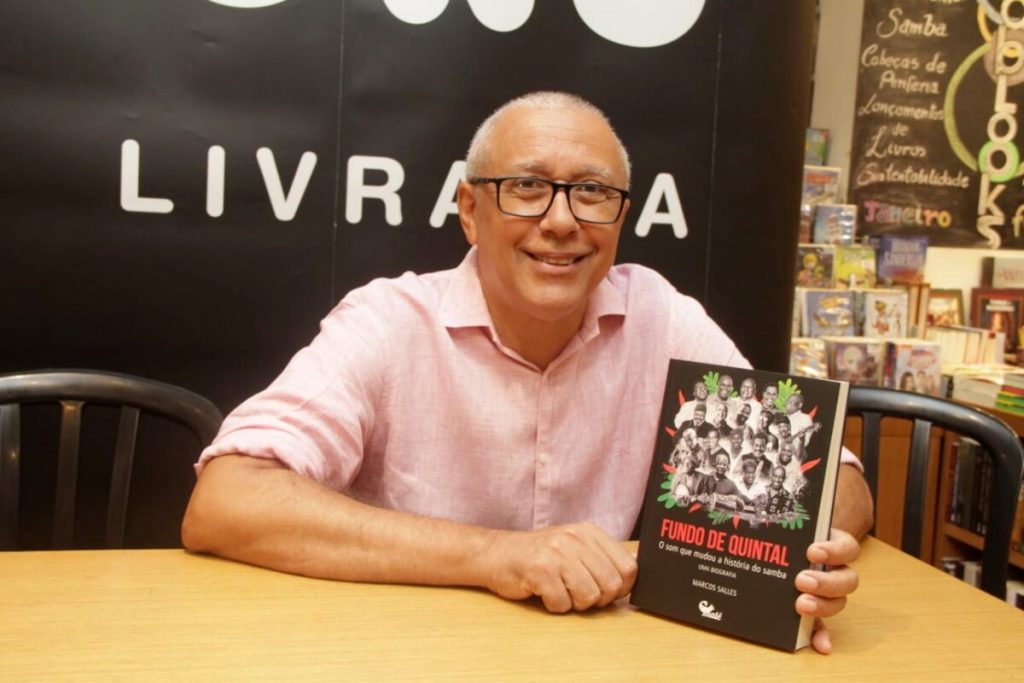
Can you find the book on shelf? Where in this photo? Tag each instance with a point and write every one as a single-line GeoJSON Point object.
{"type": "Point", "coordinates": [834, 224]}
{"type": "Point", "coordinates": [945, 307]}
{"type": "Point", "coordinates": [982, 384]}
{"type": "Point", "coordinates": [970, 496]}
{"type": "Point", "coordinates": [720, 547]}
{"type": "Point", "coordinates": [854, 266]}
{"type": "Point", "coordinates": [816, 146]}
{"type": "Point", "coordinates": [1015, 593]}
{"type": "Point", "coordinates": [964, 345]}
{"type": "Point", "coordinates": [814, 265]}
{"type": "Point", "coordinates": [900, 259]}
{"type": "Point", "coordinates": [807, 357]}
{"type": "Point", "coordinates": [913, 365]}
{"type": "Point", "coordinates": [1002, 272]}
{"type": "Point", "coordinates": [998, 310]}
{"type": "Point", "coordinates": [857, 360]}
{"type": "Point", "coordinates": [827, 312]}
{"type": "Point", "coordinates": [883, 312]}
{"type": "Point", "coordinates": [821, 184]}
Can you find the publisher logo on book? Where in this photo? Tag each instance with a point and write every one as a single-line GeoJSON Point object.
{"type": "Point", "coordinates": [707, 610]}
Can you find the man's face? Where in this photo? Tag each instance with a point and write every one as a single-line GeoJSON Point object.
{"type": "Point", "coordinates": [721, 466]}
{"type": "Point", "coordinates": [690, 437]}
{"type": "Point", "coordinates": [700, 391]}
{"type": "Point", "coordinates": [793, 404]}
{"type": "Point", "coordinates": [784, 430]}
{"type": "Point", "coordinates": [711, 440]}
{"type": "Point", "coordinates": [542, 270]}
{"type": "Point", "coordinates": [785, 453]}
{"type": "Point", "coordinates": [760, 444]}
{"type": "Point", "coordinates": [721, 414]}
{"type": "Point", "coordinates": [736, 440]}
{"type": "Point", "coordinates": [724, 387]}
{"type": "Point", "coordinates": [747, 389]}
{"type": "Point", "coordinates": [778, 476]}
{"type": "Point", "coordinates": [743, 415]}
{"type": "Point", "coordinates": [771, 392]}
{"type": "Point", "coordinates": [698, 415]}
{"type": "Point", "coordinates": [748, 476]}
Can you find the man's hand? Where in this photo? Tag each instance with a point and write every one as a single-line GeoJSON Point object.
{"type": "Point", "coordinates": [572, 567]}
{"type": "Point", "coordinates": [823, 594]}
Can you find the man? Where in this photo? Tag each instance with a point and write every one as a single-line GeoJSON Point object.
{"type": "Point", "coordinates": [699, 396]}
{"type": "Point", "coordinates": [727, 493]}
{"type": "Point", "coordinates": [488, 425]}
{"type": "Point", "coordinates": [712, 449]}
{"type": "Point", "coordinates": [768, 398]}
{"type": "Point", "coordinates": [762, 463]}
{"type": "Point", "coordinates": [722, 396]}
{"type": "Point", "coordinates": [751, 491]}
{"type": "Point", "coordinates": [800, 423]}
{"type": "Point", "coordinates": [721, 420]}
{"type": "Point", "coordinates": [698, 422]}
{"type": "Point", "coordinates": [780, 501]}
{"type": "Point", "coordinates": [688, 484]}
{"type": "Point", "coordinates": [748, 398]}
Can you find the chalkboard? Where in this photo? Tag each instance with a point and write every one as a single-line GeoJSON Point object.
{"type": "Point", "coordinates": [936, 126]}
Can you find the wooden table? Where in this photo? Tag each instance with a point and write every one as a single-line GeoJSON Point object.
{"type": "Point", "coordinates": [142, 615]}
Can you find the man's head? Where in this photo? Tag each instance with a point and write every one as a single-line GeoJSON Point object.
{"type": "Point", "coordinates": [721, 414]}
{"type": "Point", "coordinates": [747, 388]}
{"type": "Point", "coordinates": [771, 392]}
{"type": "Point", "coordinates": [749, 470]}
{"type": "Point", "coordinates": [541, 269]}
{"type": "Point", "coordinates": [711, 440]}
{"type": "Point", "coordinates": [794, 403]}
{"type": "Point", "coordinates": [760, 443]}
{"type": "Point", "coordinates": [743, 415]}
{"type": "Point", "coordinates": [690, 437]}
{"type": "Point", "coordinates": [785, 452]}
{"type": "Point", "coordinates": [721, 465]}
{"type": "Point", "coordinates": [778, 476]}
{"type": "Point", "coordinates": [736, 440]}
{"type": "Point", "coordinates": [700, 411]}
{"type": "Point", "coordinates": [783, 426]}
{"type": "Point", "coordinates": [700, 391]}
{"type": "Point", "coordinates": [724, 387]}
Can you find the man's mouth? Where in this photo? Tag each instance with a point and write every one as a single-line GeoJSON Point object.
{"type": "Point", "coordinates": [553, 260]}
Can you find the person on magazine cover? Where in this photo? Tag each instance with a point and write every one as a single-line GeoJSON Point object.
{"type": "Point", "coordinates": [489, 425]}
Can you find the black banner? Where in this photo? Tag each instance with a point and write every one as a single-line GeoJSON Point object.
{"type": "Point", "coordinates": [935, 146]}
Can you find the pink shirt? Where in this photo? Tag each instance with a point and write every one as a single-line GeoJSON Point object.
{"type": "Point", "coordinates": [408, 400]}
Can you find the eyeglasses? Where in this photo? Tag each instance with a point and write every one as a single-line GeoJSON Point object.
{"type": "Point", "coordinates": [532, 197]}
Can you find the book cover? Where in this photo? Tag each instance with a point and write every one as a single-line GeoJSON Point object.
{"type": "Point", "coordinates": [857, 360]}
{"type": "Point", "coordinates": [835, 223]}
{"type": "Point", "coordinates": [816, 146]}
{"type": "Point", "coordinates": [854, 266]}
{"type": "Point", "coordinates": [827, 312]}
{"type": "Point", "coordinates": [808, 357]}
{"type": "Point", "coordinates": [900, 259]}
{"type": "Point", "coordinates": [998, 310]}
{"type": "Point", "coordinates": [721, 550]}
{"type": "Point", "coordinates": [1002, 272]}
{"type": "Point", "coordinates": [814, 265]}
{"type": "Point", "coordinates": [913, 365]}
{"type": "Point", "coordinates": [945, 307]}
{"type": "Point", "coordinates": [885, 312]}
{"type": "Point", "coordinates": [821, 184]}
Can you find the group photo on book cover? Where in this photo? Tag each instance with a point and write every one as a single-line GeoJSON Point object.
{"type": "Point", "coordinates": [741, 484]}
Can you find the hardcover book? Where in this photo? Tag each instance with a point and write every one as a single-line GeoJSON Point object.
{"type": "Point", "coordinates": [857, 360]}
{"type": "Point", "coordinates": [721, 549]}
{"type": "Point", "coordinates": [808, 358]}
{"type": "Point", "coordinates": [900, 259]}
{"type": "Point", "coordinates": [854, 266]}
{"type": "Point", "coordinates": [913, 365]}
{"type": "Point", "coordinates": [814, 265]}
{"type": "Point", "coordinates": [884, 312]}
{"type": "Point", "coordinates": [816, 146]}
{"type": "Point", "coordinates": [821, 184]}
{"type": "Point", "coordinates": [835, 223]}
{"type": "Point", "coordinates": [998, 310]}
{"type": "Point", "coordinates": [826, 312]}
{"type": "Point", "coordinates": [1002, 272]}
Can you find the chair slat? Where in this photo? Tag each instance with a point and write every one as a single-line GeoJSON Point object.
{"type": "Point", "coordinates": [121, 477]}
{"type": "Point", "coordinates": [913, 500]}
{"type": "Point", "coordinates": [871, 432]}
{"type": "Point", "coordinates": [67, 474]}
{"type": "Point", "coordinates": [10, 473]}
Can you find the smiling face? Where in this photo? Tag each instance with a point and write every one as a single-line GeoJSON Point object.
{"type": "Point", "coordinates": [542, 271]}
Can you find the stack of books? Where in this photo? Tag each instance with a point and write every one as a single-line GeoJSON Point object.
{"type": "Point", "coordinates": [985, 384]}
{"type": "Point", "coordinates": [1011, 395]}
{"type": "Point", "coordinates": [962, 345]}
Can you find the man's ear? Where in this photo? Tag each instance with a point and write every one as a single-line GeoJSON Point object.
{"type": "Point", "coordinates": [465, 199]}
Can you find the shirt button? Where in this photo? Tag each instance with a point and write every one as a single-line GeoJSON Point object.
{"type": "Point", "coordinates": [543, 458]}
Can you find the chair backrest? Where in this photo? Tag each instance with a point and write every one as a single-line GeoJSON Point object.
{"type": "Point", "coordinates": [73, 389]}
{"type": "Point", "coordinates": [872, 404]}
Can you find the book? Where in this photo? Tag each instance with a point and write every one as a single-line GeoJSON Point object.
{"type": "Point", "coordinates": [816, 146]}
{"type": "Point", "coordinates": [827, 312]}
{"type": "Point", "coordinates": [857, 360]}
{"type": "Point", "coordinates": [913, 365]}
{"type": "Point", "coordinates": [854, 266]}
{"type": "Point", "coordinates": [900, 258]}
{"type": "Point", "coordinates": [821, 184]}
{"type": "Point", "coordinates": [808, 358]}
{"type": "Point", "coordinates": [961, 345]}
{"type": "Point", "coordinates": [835, 224]}
{"type": "Point", "coordinates": [883, 312]}
{"type": "Point", "coordinates": [722, 550]}
{"type": "Point", "coordinates": [814, 265]}
{"type": "Point", "coordinates": [945, 307]}
{"type": "Point", "coordinates": [1002, 272]}
{"type": "Point", "coordinates": [998, 310]}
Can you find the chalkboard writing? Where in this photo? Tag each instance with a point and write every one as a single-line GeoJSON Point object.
{"type": "Point", "coordinates": [936, 126]}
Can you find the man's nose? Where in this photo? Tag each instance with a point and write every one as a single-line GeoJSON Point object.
{"type": "Point", "coordinates": [559, 218]}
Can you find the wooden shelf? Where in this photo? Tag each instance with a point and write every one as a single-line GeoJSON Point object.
{"type": "Point", "coordinates": [975, 541]}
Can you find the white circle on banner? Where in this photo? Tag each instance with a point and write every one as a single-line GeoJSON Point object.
{"type": "Point", "coordinates": [504, 16]}
{"type": "Point", "coordinates": [247, 4]}
{"type": "Point", "coordinates": [640, 23]}
{"type": "Point", "coordinates": [416, 11]}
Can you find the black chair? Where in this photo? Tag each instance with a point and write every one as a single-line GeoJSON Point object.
{"type": "Point", "coordinates": [872, 404]}
{"type": "Point", "coordinates": [73, 389]}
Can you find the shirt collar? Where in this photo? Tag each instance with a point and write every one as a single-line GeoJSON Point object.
{"type": "Point", "coordinates": [463, 303]}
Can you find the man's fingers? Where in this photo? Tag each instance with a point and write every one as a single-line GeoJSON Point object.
{"type": "Point", "coordinates": [839, 582]}
{"type": "Point", "coordinates": [816, 606]}
{"type": "Point", "coordinates": [841, 548]}
{"type": "Point", "coordinates": [820, 639]}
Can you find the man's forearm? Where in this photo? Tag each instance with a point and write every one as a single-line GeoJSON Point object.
{"type": "Point", "coordinates": [854, 508]}
{"type": "Point", "coordinates": [258, 511]}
